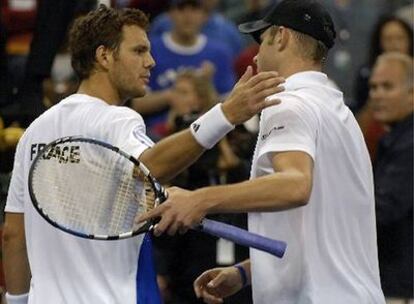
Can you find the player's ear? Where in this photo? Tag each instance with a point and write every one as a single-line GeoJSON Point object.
{"type": "Point", "coordinates": [282, 37]}
{"type": "Point", "coordinates": [103, 56]}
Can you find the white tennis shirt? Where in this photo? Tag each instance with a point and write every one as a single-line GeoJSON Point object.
{"type": "Point", "coordinates": [67, 269]}
{"type": "Point", "coordinates": [332, 252]}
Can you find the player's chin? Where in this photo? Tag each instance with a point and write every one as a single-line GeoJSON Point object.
{"type": "Point", "coordinates": [138, 92]}
{"type": "Point", "coordinates": [131, 94]}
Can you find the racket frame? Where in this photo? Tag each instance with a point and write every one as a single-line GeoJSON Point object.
{"type": "Point", "coordinates": [159, 191]}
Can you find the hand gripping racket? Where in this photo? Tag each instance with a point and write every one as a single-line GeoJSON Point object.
{"type": "Point", "coordinates": [94, 190]}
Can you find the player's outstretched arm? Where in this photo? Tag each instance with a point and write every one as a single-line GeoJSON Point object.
{"type": "Point", "coordinates": [289, 187]}
{"type": "Point", "coordinates": [216, 284]}
{"type": "Point", "coordinates": [173, 154]}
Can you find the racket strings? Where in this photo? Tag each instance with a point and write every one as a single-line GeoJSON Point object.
{"type": "Point", "coordinates": [124, 213]}
{"type": "Point", "coordinates": [102, 194]}
{"type": "Point", "coordinates": [147, 197]}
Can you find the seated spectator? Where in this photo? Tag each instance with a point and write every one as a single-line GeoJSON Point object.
{"type": "Point", "coordinates": [392, 101]}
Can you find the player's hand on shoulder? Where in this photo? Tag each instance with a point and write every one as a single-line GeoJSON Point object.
{"type": "Point", "coordinates": [248, 96]}
{"type": "Point", "coordinates": [216, 284]}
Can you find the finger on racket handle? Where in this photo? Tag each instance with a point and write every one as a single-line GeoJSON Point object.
{"type": "Point", "coordinates": [243, 237]}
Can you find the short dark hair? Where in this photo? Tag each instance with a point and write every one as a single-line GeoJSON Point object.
{"type": "Point", "coordinates": [102, 26]}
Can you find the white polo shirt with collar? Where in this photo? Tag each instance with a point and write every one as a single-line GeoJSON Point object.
{"type": "Point", "coordinates": [332, 252]}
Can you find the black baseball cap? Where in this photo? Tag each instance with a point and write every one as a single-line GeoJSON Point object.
{"type": "Point", "coordinates": [304, 16]}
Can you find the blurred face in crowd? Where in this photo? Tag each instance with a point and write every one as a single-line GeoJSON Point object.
{"type": "Point", "coordinates": [391, 94]}
{"type": "Point", "coordinates": [185, 99]}
{"type": "Point", "coordinates": [187, 20]}
{"type": "Point", "coordinates": [130, 65]}
{"type": "Point", "coordinates": [394, 38]}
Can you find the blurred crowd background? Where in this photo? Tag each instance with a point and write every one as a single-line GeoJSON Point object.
{"type": "Point", "coordinates": [200, 55]}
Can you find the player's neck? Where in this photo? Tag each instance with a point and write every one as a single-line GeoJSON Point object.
{"type": "Point", "coordinates": [290, 67]}
{"type": "Point", "coordinates": [99, 86]}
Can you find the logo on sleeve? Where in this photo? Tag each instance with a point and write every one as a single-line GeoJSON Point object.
{"type": "Point", "coordinates": [265, 136]}
{"type": "Point", "coordinates": [195, 127]}
{"type": "Point", "coordinates": [140, 135]}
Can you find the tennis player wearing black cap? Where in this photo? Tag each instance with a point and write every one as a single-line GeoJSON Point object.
{"type": "Point", "coordinates": [311, 180]}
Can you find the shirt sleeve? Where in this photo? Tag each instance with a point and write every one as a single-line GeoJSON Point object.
{"type": "Point", "coordinates": [290, 126]}
{"type": "Point", "coordinates": [15, 196]}
{"type": "Point", "coordinates": [126, 129]}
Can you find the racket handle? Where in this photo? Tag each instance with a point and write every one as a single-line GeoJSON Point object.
{"type": "Point", "coordinates": [243, 237]}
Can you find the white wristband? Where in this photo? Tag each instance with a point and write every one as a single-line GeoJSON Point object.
{"type": "Point", "coordinates": [209, 128]}
{"type": "Point", "coordinates": [17, 299]}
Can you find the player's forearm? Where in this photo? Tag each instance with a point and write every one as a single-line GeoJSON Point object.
{"type": "Point", "coordinates": [171, 155]}
{"type": "Point", "coordinates": [15, 262]}
{"type": "Point", "coordinates": [275, 192]}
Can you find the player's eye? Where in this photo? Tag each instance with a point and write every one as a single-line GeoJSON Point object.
{"type": "Point", "coordinates": [141, 50]}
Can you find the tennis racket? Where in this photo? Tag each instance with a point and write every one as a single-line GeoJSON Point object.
{"type": "Point", "coordinates": [94, 190]}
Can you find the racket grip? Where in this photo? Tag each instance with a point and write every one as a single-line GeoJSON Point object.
{"type": "Point", "coordinates": [243, 237]}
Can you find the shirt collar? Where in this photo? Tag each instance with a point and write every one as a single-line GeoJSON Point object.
{"type": "Point", "coordinates": [304, 79]}
{"type": "Point", "coordinates": [184, 50]}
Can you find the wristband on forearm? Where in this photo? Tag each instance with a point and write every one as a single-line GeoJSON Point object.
{"type": "Point", "coordinates": [17, 299]}
{"type": "Point", "coordinates": [242, 273]}
{"type": "Point", "coordinates": [211, 127]}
